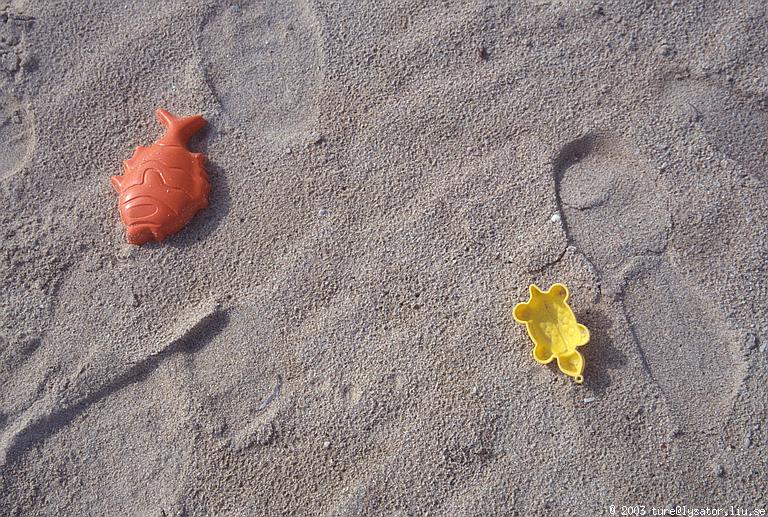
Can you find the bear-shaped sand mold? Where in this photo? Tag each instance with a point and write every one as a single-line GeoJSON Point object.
{"type": "Point", "coordinates": [553, 329]}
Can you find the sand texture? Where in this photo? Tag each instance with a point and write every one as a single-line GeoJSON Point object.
{"type": "Point", "coordinates": [334, 334]}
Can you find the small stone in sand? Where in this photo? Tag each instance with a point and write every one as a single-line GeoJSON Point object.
{"type": "Point", "coordinates": [555, 217]}
{"type": "Point", "coordinates": [750, 342]}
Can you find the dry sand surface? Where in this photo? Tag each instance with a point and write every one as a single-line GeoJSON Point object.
{"type": "Point", "coordinates": [334, 335]}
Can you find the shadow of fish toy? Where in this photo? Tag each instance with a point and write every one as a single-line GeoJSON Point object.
{"type": "Point", "coordinates": [165, 185]}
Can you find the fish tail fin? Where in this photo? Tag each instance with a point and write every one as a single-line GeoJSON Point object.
{"type": "Point", "coordinates": [180, 130]}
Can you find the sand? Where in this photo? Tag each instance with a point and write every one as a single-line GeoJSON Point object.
{"type": "Point", "coordinates": [334, 335]}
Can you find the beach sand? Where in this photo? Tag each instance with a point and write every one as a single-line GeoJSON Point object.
{"type": "Point", "coordinates": [334, 334]}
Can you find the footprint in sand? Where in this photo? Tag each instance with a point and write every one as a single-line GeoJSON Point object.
{"type": "Point", "coordinates": [266, 65]}
{"type": "Point", "coordinates": [736, 126]}
{"type": "Point", "coordinates": [617, 213]}
{"type": "Point", "coordinates": [16, 128]}
{"type": "Point", "coordinates": [15, 136]}
{"type": "Point", "coordinates": [613, 211]}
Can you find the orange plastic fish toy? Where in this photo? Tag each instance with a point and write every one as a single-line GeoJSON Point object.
{"type": "Point", "coordinates": [165, 185]}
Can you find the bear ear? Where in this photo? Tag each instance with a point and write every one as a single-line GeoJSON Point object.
{"type": "Point", "coordinates": [522, 312]}
{"type": "Point", "coordinates": [117, 183]}
{"type": "Point", "coordinates": [560, 291]}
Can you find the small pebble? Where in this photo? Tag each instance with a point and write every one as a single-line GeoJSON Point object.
{"type": "Point", "coordinates": [326, 444]}
{"type": "Point", "coordinates": [324, 212]}
{"type": "Point", "coordinates": [555, 217]}
{"type": "Point", "coordinates": [719, 471]}
{"type": "Point", "coordinates": [589, 400]}
{"type": "Point", "coordinates": [664, 50]}
{"type": "Point", "coordinates": [750, 342]}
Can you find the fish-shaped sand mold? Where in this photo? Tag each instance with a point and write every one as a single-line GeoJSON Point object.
{"type": "Point", "coordinates": [553, 329]}
{"type": "Point", "coordinates": [165, 185]}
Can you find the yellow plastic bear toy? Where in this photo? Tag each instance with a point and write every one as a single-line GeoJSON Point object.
{"type": "Point", "coordinates": [553, 329]}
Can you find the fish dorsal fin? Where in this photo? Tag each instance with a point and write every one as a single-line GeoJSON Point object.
{"type": "Point", "coordinates": [180, 130]}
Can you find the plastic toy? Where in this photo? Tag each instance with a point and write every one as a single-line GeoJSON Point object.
{"type": "Point", "coordinates": [165, 185]}
{"type": "Point", "coordinates": [553, 329]}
